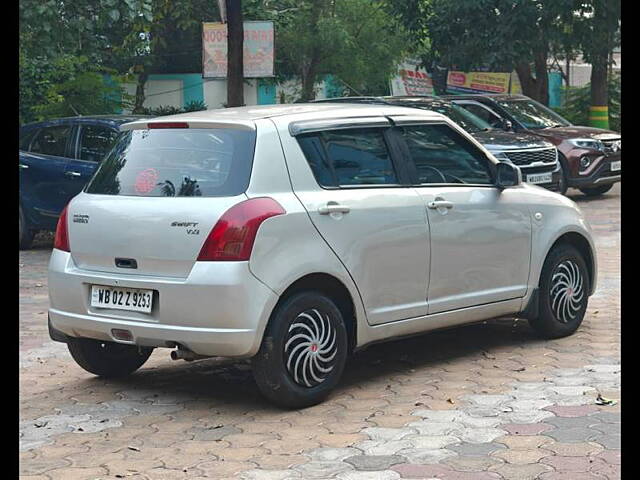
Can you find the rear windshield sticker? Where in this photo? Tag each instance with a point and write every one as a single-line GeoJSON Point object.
{"type": "Point", "coordinates": [146, 180]}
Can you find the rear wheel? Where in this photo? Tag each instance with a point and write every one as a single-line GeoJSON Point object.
{"type": "Point", "coordinates": [26, 234]}
{"type": "Point", "coordinates": [303, 351]}
{"type": "Point", "coordinates": [564, 293]}
{"type": "Point", "coordinates": [595, 191]}
{"type": "Point", "coordinates": [107, 359]}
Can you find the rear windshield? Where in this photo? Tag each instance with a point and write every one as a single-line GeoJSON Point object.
{"type": "Point", "coordinates": [206, 162]}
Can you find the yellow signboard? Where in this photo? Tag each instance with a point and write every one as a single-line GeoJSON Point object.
{"type": "Point", "coordinates": [470, 82]}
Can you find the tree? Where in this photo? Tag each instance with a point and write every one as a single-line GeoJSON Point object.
{"type": "Point", "coordinates": [578, 100]}
{"type": "Point", "coordinates": [123, 36]}
{"type": "Point", "coordinates": [66, 54]}
{"type": "Point", "coordinates": [598, 28]}
{"type": "Point", "coordinates": [235, 42]}
{"type": "Point", "coordinates": [499, 35]}
{"type": "Point", "coordinates": [74, 87]}
{"type": "Point", "coordinates": [357, 41]}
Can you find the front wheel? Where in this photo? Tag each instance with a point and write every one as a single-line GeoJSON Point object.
{"type": "Point", "coordinates": [303, 351]}
{"type": "Point", "coordinates": [595, 191]}
{"type": "Point", "coordinates": [107, 359]}
{"type": "Point", "coordinates": [564, 293]}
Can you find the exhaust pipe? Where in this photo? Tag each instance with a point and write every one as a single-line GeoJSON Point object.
{"type": "Point", "coordinates": [187, 355]}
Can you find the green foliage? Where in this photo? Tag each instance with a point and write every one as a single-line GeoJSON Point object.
{"type": "Point", "coordinates": [493, 34]}
{"type": "Point", "coordinates": [597, 28]}
{"type": "Point", "coordinates": [501, 35]}
{"type": "Point", "coordinates": [358, 41]}
{"type": "Point", "coordinates": [66, 49]}
{"type": "Point", "coordinates": [577, 101]}
{"type": "Point", "coordinates": [163, 110]}
{"type": "Point", "coordinates": [194, 106]}
{"type": "Point", "coordinates": [65, 86]}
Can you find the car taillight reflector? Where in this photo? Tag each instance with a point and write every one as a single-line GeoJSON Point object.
{"type": "Point", "coordinates": [61, 241]}
{"type": "Point", "coordinates": [168, 125]}
{"type": "Point", "coordinates": [233, 235]}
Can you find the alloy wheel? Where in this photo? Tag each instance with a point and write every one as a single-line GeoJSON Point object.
{"type": "Point", "coordinates": [310, 348]}
{"type": "Point", "coordinates": [567, 291]}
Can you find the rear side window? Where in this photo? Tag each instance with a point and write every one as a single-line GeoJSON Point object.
{"type": "Point", "coordinates": [52, 141]}
{"type": "Point", "coordinates": [95, 142]}
{"type": "Point", "coordinates": [442, 155]}
{"type": "Point", "coordinates": [206, 162]}
{"type": "Point", "coordinates": [343, 158]}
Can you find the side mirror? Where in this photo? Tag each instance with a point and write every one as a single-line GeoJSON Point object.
{"type": "Point", "coordinates": [507, 125]}
{"type": "Point", "coordinates": [507, 175]}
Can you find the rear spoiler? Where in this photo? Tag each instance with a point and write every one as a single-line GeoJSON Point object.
{"type": "Point", "coordinates": [185, 122]}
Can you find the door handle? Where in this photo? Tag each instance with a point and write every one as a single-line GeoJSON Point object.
{"type": "Point", "coordinates": [438, 203]}
{"type": "Point", "coordinates": [333, 207]}
{"type": "Point", "coordinates": [73, 174]}
{"type": "Point", "coordinates": [22, 165]}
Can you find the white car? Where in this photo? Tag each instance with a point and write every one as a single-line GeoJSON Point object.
{"type": "Point", "coordinates": [295, 235]}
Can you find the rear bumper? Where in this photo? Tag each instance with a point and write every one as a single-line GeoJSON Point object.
{"type": "Point", "coordinates": [220, 309]}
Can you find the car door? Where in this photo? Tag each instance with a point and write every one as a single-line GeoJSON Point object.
{"type": "Point", "coordinates": [42, 162]}
{"type": "Point", "coordinates": [374, 222]}
{"type": "Point", "coordinates": [480, 235]}
{"type": "Point", "coordinates": [91, 144]}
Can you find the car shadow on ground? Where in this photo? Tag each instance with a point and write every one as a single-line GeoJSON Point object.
{"type": "Point", "coordinates": [581, 198]}
{"type": "Point", "coordinates": [225, 385]}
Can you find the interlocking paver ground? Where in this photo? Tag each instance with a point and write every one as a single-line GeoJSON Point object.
{"type": "Point", "coordinates": [487, 401]}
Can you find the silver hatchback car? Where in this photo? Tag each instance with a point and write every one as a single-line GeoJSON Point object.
{"type": "Point", "coordinates": [295, 235]}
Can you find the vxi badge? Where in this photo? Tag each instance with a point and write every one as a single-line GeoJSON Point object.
{"type": "Point", "coordinates": [191, 230]}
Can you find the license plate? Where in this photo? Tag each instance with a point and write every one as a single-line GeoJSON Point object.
{"type": "Point", "coordinates": [540, 178]}
{"type": "Point", "coordinates": [615, 166]}
{"type": "Point", "coordinates": [132, 299]}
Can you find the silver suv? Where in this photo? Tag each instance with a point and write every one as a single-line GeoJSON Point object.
{"type": "Point", "coordinates": [295, 235]}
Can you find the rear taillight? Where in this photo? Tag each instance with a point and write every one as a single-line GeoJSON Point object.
{"type": "Point", "coordinates": [232, 237]}
{"type": "Point", "coordinates": [167, 125]}
{"type": "Point", "coordinates": [61, 241]}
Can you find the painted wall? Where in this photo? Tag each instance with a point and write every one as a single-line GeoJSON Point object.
{"type": "Point", "coordinates": [178, 90]}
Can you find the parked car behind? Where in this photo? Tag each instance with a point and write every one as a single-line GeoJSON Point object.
{"type": "Point", "coordinates": [537, 158]}
{"type": "Point", "coordinates": [590, 158]}
{"type": "Point", "coordinates": [56, 159]}
{"type": "Point", "coordinates": [296, 234]}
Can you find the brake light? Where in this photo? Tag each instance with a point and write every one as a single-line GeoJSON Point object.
{"type": "Point", "coordinates": [61, 241]}
{"type": "Point", "coordinates": [168, 125]}
{"type": "Point", "coordinates": [232, 237]}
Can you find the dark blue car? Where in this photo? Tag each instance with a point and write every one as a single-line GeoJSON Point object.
{"type": "Point", "coordinates": [57, 159]}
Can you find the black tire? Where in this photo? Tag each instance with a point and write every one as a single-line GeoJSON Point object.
{"type": "Point", "coordinates": [107, 359]}
{"type": "Point", "coordinates": [276, 371]}
{"type": "Point", "coordinates": [595, 191]}
{"type": "Point", "coordinates": [563, 184]}
{"type": "Point", "coordinates": [564, 293]}
{"type": "Point", "coordinates": [26, 234]}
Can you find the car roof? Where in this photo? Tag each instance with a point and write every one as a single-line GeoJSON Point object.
{"type": "Point", "coordinates": [385, 99]}
{"type": "Point", "coordinates": [493, 96]}
{"type": "Point", "coordinates": [407, 100]}
{"type": "Point", "coordinates": [354, 99]}
{"type": "Point", "coordinates": [300, 111]}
